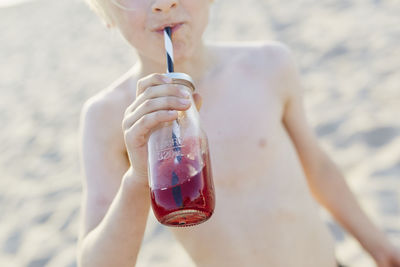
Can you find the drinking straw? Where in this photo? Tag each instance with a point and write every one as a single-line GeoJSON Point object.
{"type": "Point", "coordinates": [176, 191]}
{"type": "Point", "coordinates": [170, 68]}
{"type": "Point", "coordinates": [169, 49]}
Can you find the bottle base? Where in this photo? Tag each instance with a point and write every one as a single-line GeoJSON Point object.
{"type": "Point", "coordinates": [184, 218]}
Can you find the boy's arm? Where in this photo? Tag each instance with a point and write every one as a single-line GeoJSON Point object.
{"type": "Point", "coordinates": [115, 201]}
{"type": "Point", "coordinates": [325, 180]}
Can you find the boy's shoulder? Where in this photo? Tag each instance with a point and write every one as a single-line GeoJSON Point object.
{"type": "Point", "coordinates": [274, 51]}
{"type": "Point", "coordinates": [271, 61]}
{"type": "Point", "coordinates": [265, 58]}
{"type": "Point", "coordinates": [114, 96]}
{"type": "Point", "coordinates": [105, 110]}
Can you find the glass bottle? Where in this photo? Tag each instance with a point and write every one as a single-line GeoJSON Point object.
{"type": "Point", "coordinates": [180, 178]}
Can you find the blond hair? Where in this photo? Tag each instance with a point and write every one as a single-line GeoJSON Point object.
{"type": "Point", "coordinates": [100, 8]}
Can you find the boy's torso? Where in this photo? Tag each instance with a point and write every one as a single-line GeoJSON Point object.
{"type": "Point", "coordinates": [265, 215]}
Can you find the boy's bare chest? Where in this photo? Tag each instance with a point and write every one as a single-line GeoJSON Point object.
{"type": "Point", "coordinates": [242, 120]}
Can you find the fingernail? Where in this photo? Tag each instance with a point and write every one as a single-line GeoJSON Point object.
{"type": "Point", "coordinates": [184, 101]}
{"type": "Point", "coordinates": [184, 93]}
{"type": "Point", "coordinates": [166, 79]}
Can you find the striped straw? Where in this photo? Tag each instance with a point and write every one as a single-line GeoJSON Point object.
{"type": "Point", "coordinates": [169, 48]}
{"type": "Point", "coordinates": [170, 68]}
{"type": "Point", "coordinates": [176, 191]}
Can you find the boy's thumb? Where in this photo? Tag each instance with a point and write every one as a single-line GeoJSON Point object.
{"type": "Point", "coordinates": [198, 100]}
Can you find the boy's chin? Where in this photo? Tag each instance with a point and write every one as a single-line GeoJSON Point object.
{"type": "Point", "coordinates": [182, 51]}
{"type": "Point", "coordinates": [180, 55]}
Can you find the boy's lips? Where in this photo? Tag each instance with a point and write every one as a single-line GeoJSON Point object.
{"type": "Point", "coordinates": [174, 27]}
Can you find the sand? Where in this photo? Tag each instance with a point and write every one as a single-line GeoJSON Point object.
{"type": "Point", "coordinates": [56, 54]}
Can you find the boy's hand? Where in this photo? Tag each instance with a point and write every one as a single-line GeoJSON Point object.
{"type": "Point", "coordinates": [156, 102]}
{"type": "Point", "coordinates": [387, 257]}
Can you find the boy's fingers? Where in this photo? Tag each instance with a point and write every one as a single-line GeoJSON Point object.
{"type": "Point", "coordinates": [198, 100]}
{"type": "Point", "coordinates": [157, 91]}
{"type": "Point", "coordinates": [138, 133]}
{"type": "Point", "coordinates": [152, 105]}
{"type": "Point", "coordinates": [151, 80]}
{"type": "Point", "coordinates": [164, 90]}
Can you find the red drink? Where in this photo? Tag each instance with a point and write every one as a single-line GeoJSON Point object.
{"type": "Point", "coordinates": [184, 194]}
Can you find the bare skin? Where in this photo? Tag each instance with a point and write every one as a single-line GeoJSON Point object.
{"type": "Point", "coordinates": [265, 214]}
{"type": "Point", "coordinates": [267, 164]}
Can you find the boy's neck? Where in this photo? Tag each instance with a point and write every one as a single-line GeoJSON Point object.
{"type": "Point", "coordinates": [197, 67]}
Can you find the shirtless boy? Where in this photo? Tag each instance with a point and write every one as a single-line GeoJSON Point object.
{"type": "Point", "coordinates": [268, 168]}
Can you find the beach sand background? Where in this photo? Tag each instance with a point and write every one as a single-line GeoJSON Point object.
{"type": "Point", "coordinates": [56, 54]}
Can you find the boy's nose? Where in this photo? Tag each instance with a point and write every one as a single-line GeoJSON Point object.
{"type": "Point", "coordinates": [163, 5]}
